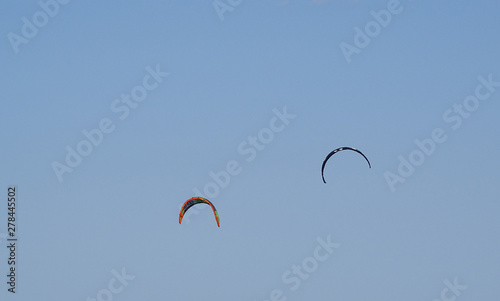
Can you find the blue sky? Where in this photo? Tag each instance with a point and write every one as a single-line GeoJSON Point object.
{"type": "Point", "coordinates": [267, 88]}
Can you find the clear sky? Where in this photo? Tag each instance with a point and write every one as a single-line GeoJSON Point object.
{"type": "Point", "coordinates": [113, 114]}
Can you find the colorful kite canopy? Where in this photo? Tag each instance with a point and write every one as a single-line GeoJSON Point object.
{"type": "Point", "coordinates": [197, 200]}
{"type": "Point", "coordinates": [338, 150]}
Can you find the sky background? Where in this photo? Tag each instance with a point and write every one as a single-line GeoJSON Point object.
{"type": "Point", "coordinates": [228, 74]}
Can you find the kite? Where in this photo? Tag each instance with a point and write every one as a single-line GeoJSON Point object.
{"type": "Point", "coordinates": [338, 150]}
{"type": "Point", "coordinates": [197, 200]}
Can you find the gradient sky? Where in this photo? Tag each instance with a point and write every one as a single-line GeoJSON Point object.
{"type": "Point", "coordinates": [229, 73]}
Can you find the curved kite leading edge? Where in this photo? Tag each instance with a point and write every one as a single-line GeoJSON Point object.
{"type": "Point", "coordinates": [197, 200]}
{"type": "Point", "coordinates": [338, 150]}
